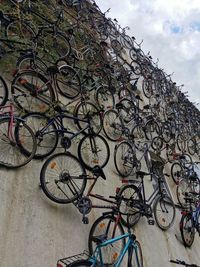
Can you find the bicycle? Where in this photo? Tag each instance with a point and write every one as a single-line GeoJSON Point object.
{"type": "Point", "coordinates": [70, 189]}
{"type": "Point", "coordinates": [33, 91]}
{"type": "Point", "coordinates": [160, 199]}
{"type": "Point", "coordinates": [106, 245]}
{"type": "Point", "coordinates": [190, 222]}
{"type": "Point", "coordinates": [17, 141]}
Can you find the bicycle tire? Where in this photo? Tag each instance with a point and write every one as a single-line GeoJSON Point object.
{"type": "Point", "coordinates": [59, 43]}
{"type": "Point", "coordinates": [108, 226]}
{"type": "Point", "coordinates": [68, 82]}
{"type": "Point", "coordinates": [181, 144]}
{"type": "Point", "coordinates": [187, 230]}
{"type": "Point", "coordinates": [81, 263]}
{"type": "Point", "coordinates": [112, 125]}
{"type": "Point", "coordinates": [86, 110]}
{"type": "Point", "coordinates": [182, 187]}
{"type": "Point", "coordinates": [20, 30]}
{"type": "Point", "coordinates": [130, 195]}
{"type": "Point", "coordinates": [3, 92]}
{"type": "Point", "coordinates": [147, 88]}
{"type": "Point", "coordinates": [26, 62]}
{"type": "Point", "coordinates": [126, 41]}
{"type": "Point", "coordinates": [125, 158]}
{"type": "Point", "coordinates": [46, 142]}
{"type": "Point", "coordinates": [90, 151]}
{"type": "Point", "coordinates": [151, 129]}
{"type": "Point", "coordinates": [16, 148]}
{"type": "Point", "coordinates": [127, 109]}
{"type": "Point", "coordinates": [104, 97]}
{"type": "Point", "coordinates": [161, 207]}
{"type": "Point", "coordinates": [71, 169]}
{"type": "Point", "coordinates": [166, 132]}
{"type": "Point", "coordinates": [133, 54]}
{"type": "Point", "coordinates": [136, 67]}
{"type": "Point", "coordinates": [21, 87]}
{"type": "Point", "coordinates": [157, 143]}
{"type": "Point", "coordinates": [176, 174]}
{"type": "Point", "coordinates": [139, 137]}
{"type": "Point", "coordinates": [135, 258]}
{"type": "Point", "coordinates": [191, 146]}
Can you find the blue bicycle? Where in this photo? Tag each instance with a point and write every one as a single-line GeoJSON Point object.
{"type": "Point", "coordinates": [190, 220]}
{"type": "Point", "coordinates": [109, 248]}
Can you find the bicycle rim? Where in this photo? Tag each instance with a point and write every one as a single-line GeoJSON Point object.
{"type": "Point", "coordinates": [62, 178]}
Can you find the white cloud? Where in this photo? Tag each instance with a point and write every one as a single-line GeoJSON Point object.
{"type": "Point", "coordinates": [171, 32]}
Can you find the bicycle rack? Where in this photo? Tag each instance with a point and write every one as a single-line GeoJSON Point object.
{"type": "Point", "coordinates": [69, 260]}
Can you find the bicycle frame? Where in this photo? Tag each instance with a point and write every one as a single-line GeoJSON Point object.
{"type": "Point", "coordinates": [98, 253]}
{"type": "Point", "coordinates": [11, 116]}
{"type": "Point", "coordinates": [58, 119]}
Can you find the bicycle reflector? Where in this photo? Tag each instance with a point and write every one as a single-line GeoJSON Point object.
{"type": "Point", "coordinates": [117, 190]}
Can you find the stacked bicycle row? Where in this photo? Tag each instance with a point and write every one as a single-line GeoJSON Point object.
{"type": "Point", "coordinates": [77, 81]}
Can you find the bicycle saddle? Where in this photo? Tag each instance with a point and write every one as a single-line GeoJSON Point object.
{"type": "Point", "coordinates": [142, 174]}
{"type": "Point", "coordinates": [99, 239]}
{"type": "Point", "coordinates": [53, 70]}
{"type": "Point", "coordinates": [146, 107]}
{"type": "Point", "coordinates": [138, 97]}
{"type": "Point", "coordinates": [98, 172]}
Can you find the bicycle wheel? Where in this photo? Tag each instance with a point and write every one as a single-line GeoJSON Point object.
{"type": "Point", "coordinates": [191, 146]}
{"type": "Point", "coordinates": [157, 143]}
{"type": "Point", "coordinates": [56, 46]}
{"type": "Point", "coordinates": [166, 132]}
{"type": "Point", "coordinates": [182, 187]}
{"type": "Point", "coordinates": [135, 258]}
{"type": "Point", "coordinates": [68, 82]}
{"type": "Point", "coordinates": [32, 92]}
{"type": "Point", "coordinates": [164, 212]}
{"type": "Point", "coordinates": [137, 69]}
{"type": "Point", "coordinates": [187, 229]}
{"type": "Point", "coordinates": [93, 150]}
{"type": "Point", "coordinates": [130, 205]}
{"type": "Point", "coordinates": [176, 172]}
{"type": "Point", "coordinates": [151, 129]}
{"type": "Point", "coordinates": [3, 92]}
{"type": "Point", "coordinates": [20, 31]}
{"type": "Point", "coordinates": [62, 178]}
{"type": "Point", "coordinates": [147, 88]}
{"type": "Point", "coordinates": [181, 142]}
{"type": "Point", "coordinates": [104, 97]}
{"type": "Point", "coordinates": [139, 137]}
{"type": "Point", "coordinates": [127, 110]}
{"type": "Point", "coordinates": [125, 158]}
{"type": "Point", "coordinates": [26, 62]}
{"type": "Point", "coordinates": [126, 41]}
{"type": "Point", "coordinates": [45, 132]}
{"type": "Point", "coordinates": [112, 125]}
{"type": "Point", "coordinates": [15, 144]}
{"type": "Point", "coordinates": [81, 263]}
{"type": "Point", "coordinates": [86, 110]}
{"type": "Point", "coordinates": [107, 227]}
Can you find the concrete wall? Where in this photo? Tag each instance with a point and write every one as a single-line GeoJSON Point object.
{"type": "Point", "coordinates": [36, 232]}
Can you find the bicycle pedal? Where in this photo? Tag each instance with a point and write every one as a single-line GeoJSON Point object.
{"type": "Point", "coordinates": [151, 221]}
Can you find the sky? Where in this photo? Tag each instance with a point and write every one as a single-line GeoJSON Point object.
{"type": "Point", "coordinates": [170, 30]}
